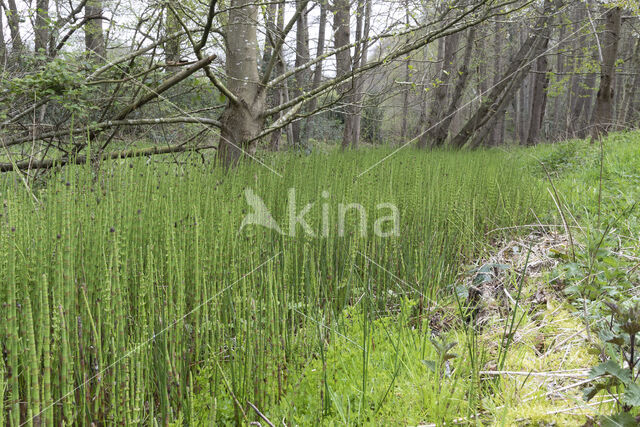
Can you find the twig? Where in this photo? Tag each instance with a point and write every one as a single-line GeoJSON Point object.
{"type": "Point", "coordinates": [261, 414]}
{"type": "Point", "coordinates": [550, 374]}
{"type": "Point", "coordinates": [50, 163]}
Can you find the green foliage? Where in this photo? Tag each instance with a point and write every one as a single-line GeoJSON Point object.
{"type": "Point", "coordinates": [601, 192]}
{"type": "Point", "coordinates": [112, 259]}
{"type": "Point", "coordinates": [61, 79]}
{"type": "Point", "coordinates": [559, 159]}
{"type": "Point", "coordinates": [619, 373]}
{"type": "Point", "coordinates": [133, 285]}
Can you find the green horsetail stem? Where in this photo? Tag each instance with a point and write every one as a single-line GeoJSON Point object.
{"type": "Point", "coordinates": [129, 284]}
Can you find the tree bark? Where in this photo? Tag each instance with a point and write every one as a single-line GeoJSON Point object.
{"type": "Point", "coordinates": [603, 111]}
{"type": "Point", "coordinates": [93, 34]}
{"type": "Point", "coordinates": [438, 134]}
{"type": "Point", "coordinates": [342, 36]}
{"type": "Point", "coordinates": [497, 136]}
{"type": "Point", "coordinates": [582, 86]}
{"type": "Point", "coordinates": [498, 98]}
{"type": "Point", "coordinates": [524, 95]}
{"type": "Point", "coordinates": [172, 47]}
{"type": "Point", "coordinates": [360, 61]}
{"type": "Point", "coordinates": [559, 121]}
{"type": "Point", "coordinates": [317, 72]}
{"type": "Point", "coordinates": [13, 18]}
{"type": "Point", "coordinates": [242, 119]}
{"type": "Point", "coordinates": [441, 129]}
{"type": "Point", "coordinates": [627, 111]}
{"type": "Point", "coordinates": [539, 99]}
{"type": "Point", "coordinates": [41, 26]}
{"type": "Point", "coordinates": [282, 93]}
{"type": "Point", "coordinates": [3, 46]}
{"type": "Point", "coordinates": [407, 77]}
{"type": "Point", "coordinates": [303, 76]}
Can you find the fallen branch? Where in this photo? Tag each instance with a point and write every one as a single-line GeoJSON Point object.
{"type": "Point", "coordinates": [260, 414]}
{"type": "Point", "coordinates": [127, 154]}
{"type": "Point", "coordinates": [551, 374]}
{"type": "Point", "coordinates": [112, 123]}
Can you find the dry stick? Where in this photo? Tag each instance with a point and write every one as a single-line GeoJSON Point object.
{"type": "Point", "coordinates": [550, 374]}
{"type": "Point", "coordinates": [584, 406]}
{"type": "Point", "coordinates": [96, 73]}
{"type": "Point", "coordinates": [197, 49]}
{"type": "Point", "coordinates": [142, 100]}
{"type": "Point", "coordinates": [534, 226]}
{"type": "Point", "coordinates": [15, 166]}
{"type": "Point", "coordinates": [235, 399]}
{"type": "Point", "coordinates": [556, 200]}
{"type": "Point", "coordinates": [568, 387]}
{"type": "Point", "coordinates": [260, 414]}
{"type": "Point", "coordinates": [134, 54]}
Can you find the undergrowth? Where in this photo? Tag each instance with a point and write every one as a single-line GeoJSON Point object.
{"type": "Point", "coordinates": [135, 296]}
{"type": "Point", "coordinates": [127, 282]}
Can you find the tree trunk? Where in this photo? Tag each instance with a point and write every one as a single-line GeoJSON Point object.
{"type": "Point", "coordinates": [558, 129]}
{"type": "Point", "coordinates": [498, 98]}
{"type": "Point", "coordinates": [360, 60]}
{"type": "Point", "coordinates": [302, 76]}
{"type": "Point", "coordinates": [13, 18]}
{"type": "Point", "coordinates": [407, 77]}
{"type": "Point", "coordinates": [441, 129]}
{"type": "Point", "coordinates": [172, 47]}
{"type": "Point", "coordinates": [582, 93]}
{"type": "Point", "coordinates": [626, 112]}
{"type": "Point", "coordinates": [497, 136]}
{"type": "Point", "coordinates": [539, 99]}
{"type": "Point", "coordinates": [282, 93]}
{"type": "Point", "coordinates": [524, 95]}
{"type": "Point", "coordinates": [603, 111]}
{"type": "Point", "coordinates": [342, 36]}
{"type": "Point", "coordinates": [581, 85]}
{"type": "Point", "coordinates": [93, 35]}
{"type": "Point", "coordinates": [41, 26]}
{"type": "Point", "coordinates": [437, 110]}
{"type": "Point", "coordinates": [242, 119]}
{"type": "Point", "coordinates": [317, 72]}
{"type": "Point", "coordinates": [405, 100]}
{"type": "Point", "coordinates": [3, 46]}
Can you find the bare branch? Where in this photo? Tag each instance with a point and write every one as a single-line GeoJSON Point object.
{"type": "Point", "coordinates": [128, 154]}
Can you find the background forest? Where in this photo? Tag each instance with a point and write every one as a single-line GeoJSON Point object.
{"type": "Point", "coordinates": [192, 76]}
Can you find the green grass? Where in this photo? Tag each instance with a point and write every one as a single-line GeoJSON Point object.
{"type": "Point", "coordinates": [132, 296]}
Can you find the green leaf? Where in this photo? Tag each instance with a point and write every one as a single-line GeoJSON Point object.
{"type": "Point", "coordinates": [462, 292]}
{"type": "Point", "coordinates": [590, 392]}
{"type": "Point", "coordinates": [610, 367]}
{"type": "Point", "coordinates": [430, 364]}
{"type": "Point", "coordinates": [555, 253]}
{"type": "Point", "coordinates": [631, 395]}
{"type": "Point", "coordinates": [623, 419]}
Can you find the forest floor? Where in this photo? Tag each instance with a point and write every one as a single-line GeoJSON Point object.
{"type": "Point", "coordinates": [145, 292]}
{"type": "Point", "coordinates": [530, 324]}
